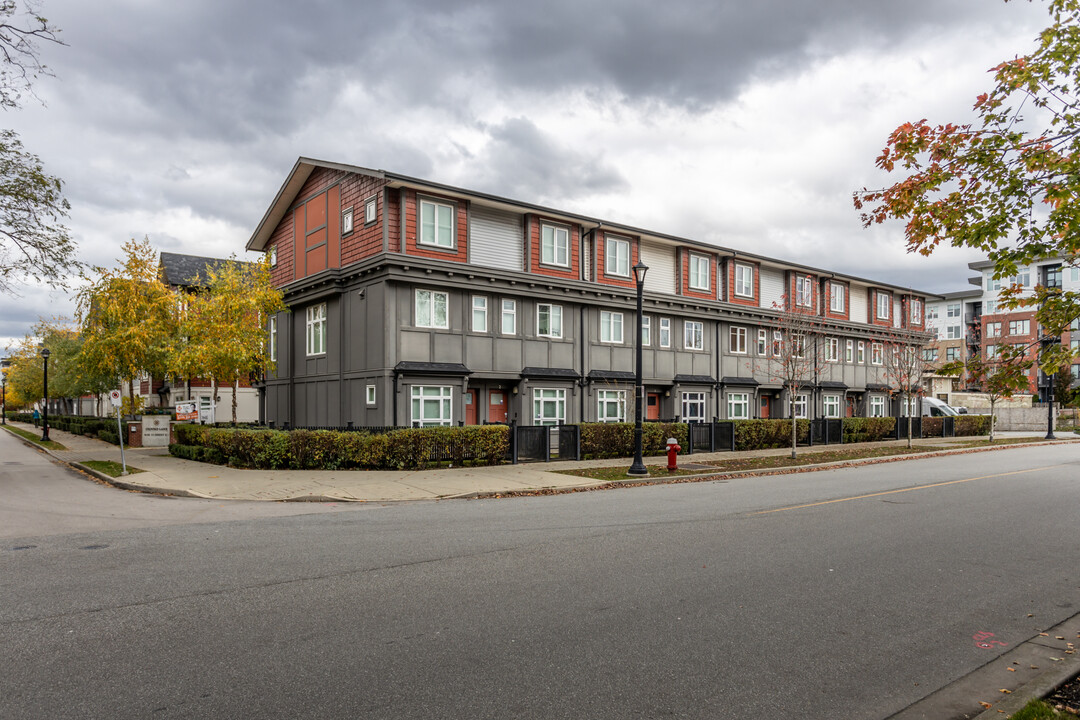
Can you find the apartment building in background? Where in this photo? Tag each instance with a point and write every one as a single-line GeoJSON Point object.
{"type": "Point", "coordinates": [414, 302]}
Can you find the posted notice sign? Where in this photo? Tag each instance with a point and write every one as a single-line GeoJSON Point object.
{"type": "Point", "coordinates": [186, 411]}
{"type": "Point", "coordinates": [114, 398]}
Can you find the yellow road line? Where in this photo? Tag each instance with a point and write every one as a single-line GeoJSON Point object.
{"type": "Point", "coordinates": [904, 490]}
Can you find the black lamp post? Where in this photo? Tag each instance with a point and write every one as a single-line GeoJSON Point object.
{"type": "Point", "coordinates": [3, 388]}
{"type": "Point", "coordinates": [45, 405]}
{"type": "Point", "coordinates": [1045, 342]}
{"type": "Point", "coordinates": [638, 468]}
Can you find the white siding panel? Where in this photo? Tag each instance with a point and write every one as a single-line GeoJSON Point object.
{"type": "Point", "coordinates": [662, 272]}
{"type": "Point", "coordinates": [772, 287]}
{"type": "Point", "coordinates": [586, 258]}
{"type": "Point", "coordinates": [858, 303]}
{"type": "Point", "coordinates": [496, 239]}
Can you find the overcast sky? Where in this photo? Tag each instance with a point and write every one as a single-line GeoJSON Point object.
{"type": "Point", "coordinates": [745, 124]}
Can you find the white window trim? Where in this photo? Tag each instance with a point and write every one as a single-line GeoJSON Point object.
{"type": "Point", "coordinates": [420, 222]}
{"type": "Point", "coordinates": [747, 282]}
{"type": "Point", "coordinates": [693, 399]}
{"type": "Point", "coordinates": [832, 350]}
{"type": "Point", "coordinates": [432, 294]}
{"type": "Point", "coordinates": [837, 293]}
{"type": "Point", "coordinates": [861, 353]}
{"type": "Point", "coordinates": [557, 398]}
{"type": "Point", "coordinates": [610, 326]}
{"type": "Point", "coordinates": [665, 329]}
{"type": "Point", "coordinates": [804, 291]}
{"type": "Point", "coordinates": [883, 301]}
{"type": "Point", "coordinates": [603, 397]}
{"type": "Point", "coordinates": [508, 310]}
{"type": "Point", "coordinates": [916, 311]}
{"type": "Point", "coordinates": [762, 342]}
{"type": "Point", "coordinates": [272, 334]}
{"type": "Point", "coordinates": [695, 277]}
{"type": "Point", "coordinates": [273, 256]}
{"type": "Point", "coordinates": [877, 354]}
{"type": "Point", "coordinates": [741, 400]}
{"type": "Point", "coordinates": [316, 330]}
{"type": "Point", "coordinates": [737, 337]}
{"type": "Point", "coordinates": [371, 210]}
{"type": "Point", "coordinates": [646, 331]}
{"type": "Point", "coordinates": [616, 241]}
{"type": "Point", "coordinates": [849, 352]}
{"type": "Point", "coordinates": [552, 331]}
{"type": "Point", "coordinates": [445, 399]}
{"type": "Point", "coordinates": [370, 394]}
{"type": "Point", "coordinates": [825, 403]}
{"type": "Point", "coordinates": [483, 308]}
{"type": "Point", "coordinates": [802, 407]}
{"type": "Point", "coordinates": [555, 230]}
{"type": "Point", "coordinates": [688, 336]}
{"type": "Point", "coordinates": [346, 221]}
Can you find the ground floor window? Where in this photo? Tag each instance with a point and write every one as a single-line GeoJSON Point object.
{"type": "Point", "coordinates": [693, 406]}
{"type": "Point", "coordinates": [800, 406]}
{"type": "Point", "coordinates": [831, 406]}
{"type": "Point", "coordinates": [549, 406]}
{"type": "Point", "coordinates": [611, 406]}
{"type": "Point", "coordinates": [738, 406]}
{"type": "Point", "coordinates": [877, 406]}
{"type": "Point", "coordinates": [431, 405]}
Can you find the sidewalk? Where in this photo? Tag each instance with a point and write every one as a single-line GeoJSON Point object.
{"type": "Point", "coordinates": [166, 474]}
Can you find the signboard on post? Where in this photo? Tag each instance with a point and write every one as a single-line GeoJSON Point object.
{"type": "Point", "coordinates": [114, 398]}
{"type": "Point", "coordinates": [187, 412]}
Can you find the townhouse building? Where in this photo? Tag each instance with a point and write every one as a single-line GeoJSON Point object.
{"type": "Point", "coordinates": [414, 302]}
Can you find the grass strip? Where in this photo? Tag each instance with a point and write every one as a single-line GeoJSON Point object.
{"type": "Point", "coordinates": [36, 438]}
{"type": "Point", "coordinates": [770, 462]}
{"type": "Point", "coordinates": [110, 468]}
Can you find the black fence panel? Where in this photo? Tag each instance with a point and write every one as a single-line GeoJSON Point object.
{"type": "Point", "coordinates": [948, 427]}
{"type": "Point", "coordinates": [701, 438]}
{"type": "Point", "coordinates": [533, 443]}
{"type": "Point", "coordinates": [569, 443]}
{"type": "Point", "coordinates": [902, 427]}
{"type": "Point", "coordinates": [724, 435]}
{"type": "Point", "coordinates": [834, 431]}
{"type": "Point", "coordinates": [818, 434]}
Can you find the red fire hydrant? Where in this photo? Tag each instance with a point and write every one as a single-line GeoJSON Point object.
{"type": "Point", "coordinates": [672, 453]}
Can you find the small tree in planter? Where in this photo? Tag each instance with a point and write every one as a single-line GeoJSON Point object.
{"type": "Point", "coordinates": [1000, 376]}
{"type": "Point", "coordinates": [904, 367]}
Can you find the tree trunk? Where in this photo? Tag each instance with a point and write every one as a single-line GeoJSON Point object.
{"type": "Point", "coordinates": [213, 399]}
{"type": "Point", "coordinates": [131, 393]}
{"type": "Point", "coordinates": [907, 413]}
{"type": "Point", "coordinates": [992, 418]}
{"type": "Point", "coordinates": [794, 429]}
{"type": "Point", "coordinates": [235, 389]}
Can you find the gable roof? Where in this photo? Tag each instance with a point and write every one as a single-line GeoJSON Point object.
{"type": "Point", "coordinates": [189, 270]}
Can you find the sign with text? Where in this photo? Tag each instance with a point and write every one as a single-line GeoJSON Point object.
{"type": "Point", "coordinates": [114, 398]}
{"type": "Point", "coordinates": [155, 430]}
{"type": "Point", "coordinates": [187, 412]}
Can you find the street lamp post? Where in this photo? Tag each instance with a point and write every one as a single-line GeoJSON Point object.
{"type": "Point", "coordinates": [45, 405]}
{"type": "Point", "coordinates": [638, 468]}
{"type": "Point", "coordinates": [3, 390]}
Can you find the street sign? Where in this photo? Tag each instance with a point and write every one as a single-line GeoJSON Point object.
{"type": "Point", "coordinates": [114, 396]}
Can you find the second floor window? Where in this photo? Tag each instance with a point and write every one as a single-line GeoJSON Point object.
{"type": "Point", "coordinates": [479, 313]}
{"type": "Point", "coordinates": [744, 280]}
{"type": "Point", "coordinates": [549, 321]}
{"type": "Point", "coordinates": [699, 272]}
{"type": "Point", "coordinates": [316, 329]}
{"type": "Point", "coordinates": [665, 332]}
{"type": "Point", "coordinates": [694, 335]}
{"type": "Point", "coordinates": [993, 329]}
{"type": "Point", "coordinates": [849, 352]}
{"type": "Point", "coordinates": [646, 331]}
{"type": "Point", "coordinates": [803, 290]}
{"type": "Point", "coordinates": [509, 317]}
{"type": "Point", "coordinates": [883, 304]}
{"type": "Point", "coordinates": [431, 309]}
{"type": "Point", "coordinates": [861, 357]}
{"type": "Point", "coordinates": [952, 353]}
{"type": "Point", "coordinates": [737, 340]}
{"type": "Point", "coordinates": [836, 298]}
{"type": "Point", "coordinates": [346, 221]}
{"type": "Point", "coordinates": [1019, 327]}
{"type": "Point", "coordinates": [763, 342]}
{"type": "Point", "coordinates": [617, 257]}
{"type": "Point", "coordinates": [916, 311]}
{"type": "Point", "coordinates": [554, 246]}
{"type": "Point", "coordinates": [611, 327]}
{"type": "Point", "coordinates": [436, 224]}
{"type": "Point", "coordinates": [877, 354]}
{"type": "Point", "coordinates": [272, 349]}
{"type": "Point", "coordinates": [930, 354]}
{"type": "Point", "coordinates": [832, 350]}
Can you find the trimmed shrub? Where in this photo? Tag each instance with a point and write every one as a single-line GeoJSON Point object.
{"type": "Point", "coordinates": [607, 440]}
{"type": "Point", "coordinates": [108, 436]}
{"type": "Point", "coordinates": [772, 433]}
{"type": "Point", "coordinates": [860, 429]}
{"type": "Point", "coordinates": [972, 425]}
{"type": "Point", "coordinates": [933, 427]}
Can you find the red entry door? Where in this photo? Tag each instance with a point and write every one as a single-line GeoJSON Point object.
{"type": "Point", "coordinates": [850, 411]}
{"type": "Point", "coordinates": [652, 407]}
{"type": "Point", "coordinates": [497, 406]}
{"type": "Point", "coordinates": [470, 407]}
{"type": "Point", "coordinates": [764, 415]}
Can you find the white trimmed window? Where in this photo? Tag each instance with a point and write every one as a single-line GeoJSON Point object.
{"type": "Point", "coordinates": [431, 309]}
{"type": "Point", "coordinates": [272, 344]}
{"type": "Point", "coordinates": [693, 335]}
{"type": "Point", "coordinates": [479, 313]}
{"type": "Point", "coordinates": [952, 332]}
{"type": "Point", "coordinates": [693, 407]}
{"type": "Point", "coordinates": [436, 224]}
{"type": "Point", "coordinates": [509, 317]}
{"type": "Point", "coordinates": [370, 394]}
{"type": "Point", "coordinates": [346, 221]}
{"type": "Point", "coordinates": [798, 344]}
{"type": "Point", "coordinates": [371, 209]}
{"type": "Point", "coordinates": [549, 321]}
{"type": "Point", "coordinates": [836, 297]}
{"type": "Point", "coordinates": [554, 245]}
{"type": "Point", "coordinates": [744, 280]}
{"type": "Point", "coordinates": [993, 329]}
{"type": "Point", "coordinates": [273, 256]}
{"type": "Point", "coordinates": [849, 352]}
{"type": "Point", "coordinates": [432, 405]}
{"type": "Point", "coordinates": [763, 342]}
{"type": "Point", "coordinates": [700, 266]}
{"type": "Point", "coordinates": [549, 406]}
{"type": "Point", "coordinates": [861, 357]}
{"type": "Point", "coordinates": [738, 406]}
{"type": "Point", "coordinates": [953, 310]}
{"type": "Point", "coordinates": [611, 406]}
{"type": "Point", "coordinates": [665, 332]}
{"type": "Point", "coordinates": [932, 312]}
{"type": "Point", "coordinates": [877, 406]}
{"type": "Point", "coordinates": [884, 303]}
{"type": "Point", "coordinates": [617, 257]}
{"type": "Point", "coordinates": [831, 406]}
{"type": "Point", "coordinates": [646, 331]}
{"type": "Point", "coordinates": [916, 311]}
{"type": "Point", "coordinates": [804, 291]}
{"type": "Point", "coordinates": [611, 326]}
{"type": "Point", "coordinates": [952, 353]}
{"type": "Point", "coordinates": [832, 350]}
{"type": "Point", "coordinates": [1019, 327]}
{"type": "Point", "coordinates": [737, 340]}
{"type": "Point", "coordinates": [877, 354]}
{"type": "Point", "coordinates": [316, 329]}
{"type": "Point", "coordinates": [800, 406]}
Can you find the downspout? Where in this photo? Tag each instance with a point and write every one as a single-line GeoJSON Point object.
{"type": "Point", "coordinates": [719, 385]}
{"type": "Point", "coordinates": [581, 352]}
{"type": "Point", "coordinates": [395, 400]}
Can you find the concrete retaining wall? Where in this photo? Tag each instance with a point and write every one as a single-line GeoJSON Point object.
{"type": "Point", "coordinates": [1019, 418]}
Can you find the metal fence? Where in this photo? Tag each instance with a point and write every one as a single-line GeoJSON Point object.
{"type": "Point", "coordinates": [710, 436]}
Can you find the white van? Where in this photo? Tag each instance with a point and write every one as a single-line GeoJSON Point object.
{"type": "Point", "coordinates": [932, 407]}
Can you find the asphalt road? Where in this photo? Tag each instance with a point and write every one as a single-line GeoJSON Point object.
{"type": "Point", "coordinates": [847, 593]}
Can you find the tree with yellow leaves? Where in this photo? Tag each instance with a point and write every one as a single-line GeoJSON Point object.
{"type": "Point", "coordinates": [222, 327]}
{"type": "Point", "coordinates": [128, 319]}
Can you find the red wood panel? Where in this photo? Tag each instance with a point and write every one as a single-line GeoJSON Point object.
{"type": "Point", "coordinates": [333, 234]}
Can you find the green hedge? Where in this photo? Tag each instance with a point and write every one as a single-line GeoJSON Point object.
{"type": "Point", "coordinates": [772, 433]}
{"type": "Point", "coordinates": [859, 429]}
{"type": "Point", "coordinates": [608, 440]}
{"type": "Point", "coordinates": [972, 425]}
{"type": "Point", "coordinates": [407, 449]}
